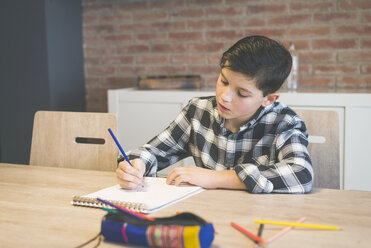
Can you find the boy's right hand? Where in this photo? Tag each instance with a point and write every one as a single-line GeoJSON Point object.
{"type": "Point", "coordinates": [130, 177]}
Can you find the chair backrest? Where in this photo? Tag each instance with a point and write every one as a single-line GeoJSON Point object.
{"type": "Point", "coordinates": [74, 140]}
{"type": "Point", "coordinates": [323, 130]}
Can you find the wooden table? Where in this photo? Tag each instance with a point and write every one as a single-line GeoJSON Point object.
{"type": "Point", "coordinates": [36, 211]}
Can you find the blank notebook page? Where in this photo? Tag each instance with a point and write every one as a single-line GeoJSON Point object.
{"type": "Point", "coordinates": [155, 194]}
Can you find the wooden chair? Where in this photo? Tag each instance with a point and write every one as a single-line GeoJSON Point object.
{"type": "Point", "coordinates": [323, 129]}
{"type": "Point", "coordinates": [74, 140]}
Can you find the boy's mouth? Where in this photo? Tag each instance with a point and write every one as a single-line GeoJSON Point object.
{"type": "Point", "coordinates": [222, 108]}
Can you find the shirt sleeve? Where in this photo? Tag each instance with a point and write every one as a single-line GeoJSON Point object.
{"type": "Point", "coordinates": [287, 169]}
{"type": "Point", "coordinates": [168, 147]}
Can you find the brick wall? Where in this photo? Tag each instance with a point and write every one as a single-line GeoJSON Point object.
{"type": "Point", "coordinates": [125, 39]}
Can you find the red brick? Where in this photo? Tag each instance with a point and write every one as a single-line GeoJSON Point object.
{"type": "Point", "coordinates": [188, 13]}
{"type": "Point", "coordinates": [90, 19]}
{"type": "Point", "coordinates": [204, 69]}
{"type": "Point", "coordinates": [206, 47]}
{"type": "Point", "coordinates": [366, 43]}
{"type": "Point", "coordinates": [311, 6]}
{"type": "Point", "coordinates": [99, 70]}
{"type": "Point", "coordinates": [151, 27]}
{"type": "Point", "coordinates": [185, 36]}
{"type": "Point", "coordinates": [348, 82]}
{"type": "Point", "coordinates": [266, 9]}
{"type": "Point", "coordinates": [231, 12]}
{"type": "Point", "coordinates": [204, 24]}
{"type": "Point", "coordinates": [214, 58]}
{"type": "Point", "coordinates": [115, 18]}
{"type": "Point", "coordinates": [96, 9]}
{"type": "Point", "coordinates": [225, 35]}
{"type": "Point", "coordinates": [117, 59]}
{"type": "Point", "coordinates": [166, 70]}
{"type": "Point", "coordinates": [152, 59]}
{"type": "Point", "coordinates": [126, 49]}
{"type": "Point", "coordinates": [366, 17]}
{"type": "Point", "coordinates": [134, 28]}
{"type": "Point", "coordinates": [166, 4]}
{"type": "Point", "coordinates": [99, 29]}
{"type": "Point", "coordinates": [92, 40]}
{"type": "Point", "coordinates": [168, 48]}
{"type": "Point", "coordinates": [355, 4]}
{"type": "Point", "coordinates": [335, 18]}
{"type": "Point", "coordinates": [152, 36]}
{"type": "Point", "coordinates": [93, 50]}
{"type": "Point", "coordinates": [240, 2]}
{"type": "Point", "coordinates": [133, 5]}
{"type": "Point", "coordinates": [91, 60]}
{"type": "Point", "coordinates": [368, 82]}
{"type": "Point", "coordinates": [335, 69]}
{"type": "Point", "coordinates": [131, 70]}
{"type": "Point", "coordinates": [305, 69]}
{"type": "Point", "coordinates": [335, 44]}
{"type": "Point", "coordinates": [311, 57]}
{"type": "Point", "coordinates": [92, 80]}
{"type": "Point", "coordinates": [168, 26]}
{"type": "Point", "coordinates": [316, 81]}
{"type": "Point", "coordinates": [366, 69]}
{"type": "Point", "coordinates": [359, 30]}
{"type": "Point", "coordinates": [273, 33]}
{"type": "Point", "coordinates": [300, 45]}
{"type": "Point", "coordinates": [354, 56]}
{"type": "Point", "coordinates": [150, 16]}
{"type": "Point", "coordinates": [310, 31]}
{"type": "Point", "coordinates": [209, 83]}
{"type": "Point", "coordinates": [96, 92]}
{"type": "Point", "coordinates": [188, 58]}
{"type": "Point", "coordinates": [245, 22]}
{"type": "Point", "coordinates": [290, 19]}
{"type": "Point", "coordinates": [117, 38]}
{"type": "Point", "coordinates": [199, 3]}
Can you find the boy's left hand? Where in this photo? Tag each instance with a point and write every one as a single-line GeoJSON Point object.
{"type": "Point", "coordinates": [192, 175]}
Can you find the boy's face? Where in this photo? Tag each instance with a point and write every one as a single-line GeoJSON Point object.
{"type": "Point", "coordinates": [238, 98]}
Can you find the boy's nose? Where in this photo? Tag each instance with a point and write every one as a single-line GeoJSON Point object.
{"type": "Point", "coordinates": [227, 95]}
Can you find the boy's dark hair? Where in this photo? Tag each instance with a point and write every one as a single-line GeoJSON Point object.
{"type": "Point", "coordinates": [259, 58]}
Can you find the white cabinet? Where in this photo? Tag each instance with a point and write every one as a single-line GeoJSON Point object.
{"type": "Point", "coordinates": [357, 176]}
{"type": "Point", "coordinates": [142, 114]}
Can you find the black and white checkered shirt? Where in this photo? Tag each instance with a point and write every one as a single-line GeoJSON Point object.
{"type": "Point", "coordinates": [269, 153]}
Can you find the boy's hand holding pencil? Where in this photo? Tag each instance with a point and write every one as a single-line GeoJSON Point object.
{"type": "Point", "coordinates": [130, 176]}
{"type": "Point", "coordinates": [129, 172]}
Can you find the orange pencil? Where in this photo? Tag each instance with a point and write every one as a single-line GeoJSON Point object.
{"type": "Point", "coordinates": [247, 233]}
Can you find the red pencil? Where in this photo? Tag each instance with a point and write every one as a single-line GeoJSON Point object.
{"type": "Point", "coordinates": [247, 233]}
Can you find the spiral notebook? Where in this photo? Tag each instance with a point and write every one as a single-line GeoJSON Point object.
{"type": "Point", "coordinates": [154, 195]}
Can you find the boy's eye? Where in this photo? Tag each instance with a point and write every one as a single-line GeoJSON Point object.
{"type": "Point", "coordinates": [241, 95]}
{"type": "Point", "coordinates": [224, 82]}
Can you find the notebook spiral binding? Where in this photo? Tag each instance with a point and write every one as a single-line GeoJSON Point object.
{"type": "Point", "coordinates": [94, 203]}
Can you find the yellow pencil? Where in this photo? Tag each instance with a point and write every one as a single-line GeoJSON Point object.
{"type": "Point", "coordinates": [294, 224]}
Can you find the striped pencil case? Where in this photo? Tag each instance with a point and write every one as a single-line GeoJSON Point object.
{"type": "Point", "coordinates": [182, 230]}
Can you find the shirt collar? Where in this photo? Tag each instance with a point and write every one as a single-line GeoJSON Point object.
{"type": "Point", "coordinates": [251, 123]}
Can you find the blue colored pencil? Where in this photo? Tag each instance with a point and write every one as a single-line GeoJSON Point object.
{"type": "Point", "coordinates": [119, 146]}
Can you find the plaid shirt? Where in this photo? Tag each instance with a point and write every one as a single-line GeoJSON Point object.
{"type": "Point", "coordinates": [269, 153]}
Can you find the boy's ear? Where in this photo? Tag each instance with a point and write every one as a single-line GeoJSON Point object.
{"type": "Point", "coordinates": [271, 98]}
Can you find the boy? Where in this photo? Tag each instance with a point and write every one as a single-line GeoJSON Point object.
{"type": "Point", "coordinates": [239, 139]}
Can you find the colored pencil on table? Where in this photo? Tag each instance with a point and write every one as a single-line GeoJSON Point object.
{"type": "Point", "coordinates": [247, 233]}
{"type": "Point", "coordinates": [293, 224]}
{"type": "Point", "coordinates": [284, 230]}
{"type": "Point", "coordinates": [260, 232]}
{"type": "Point", "coordinates": [124, 209]}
